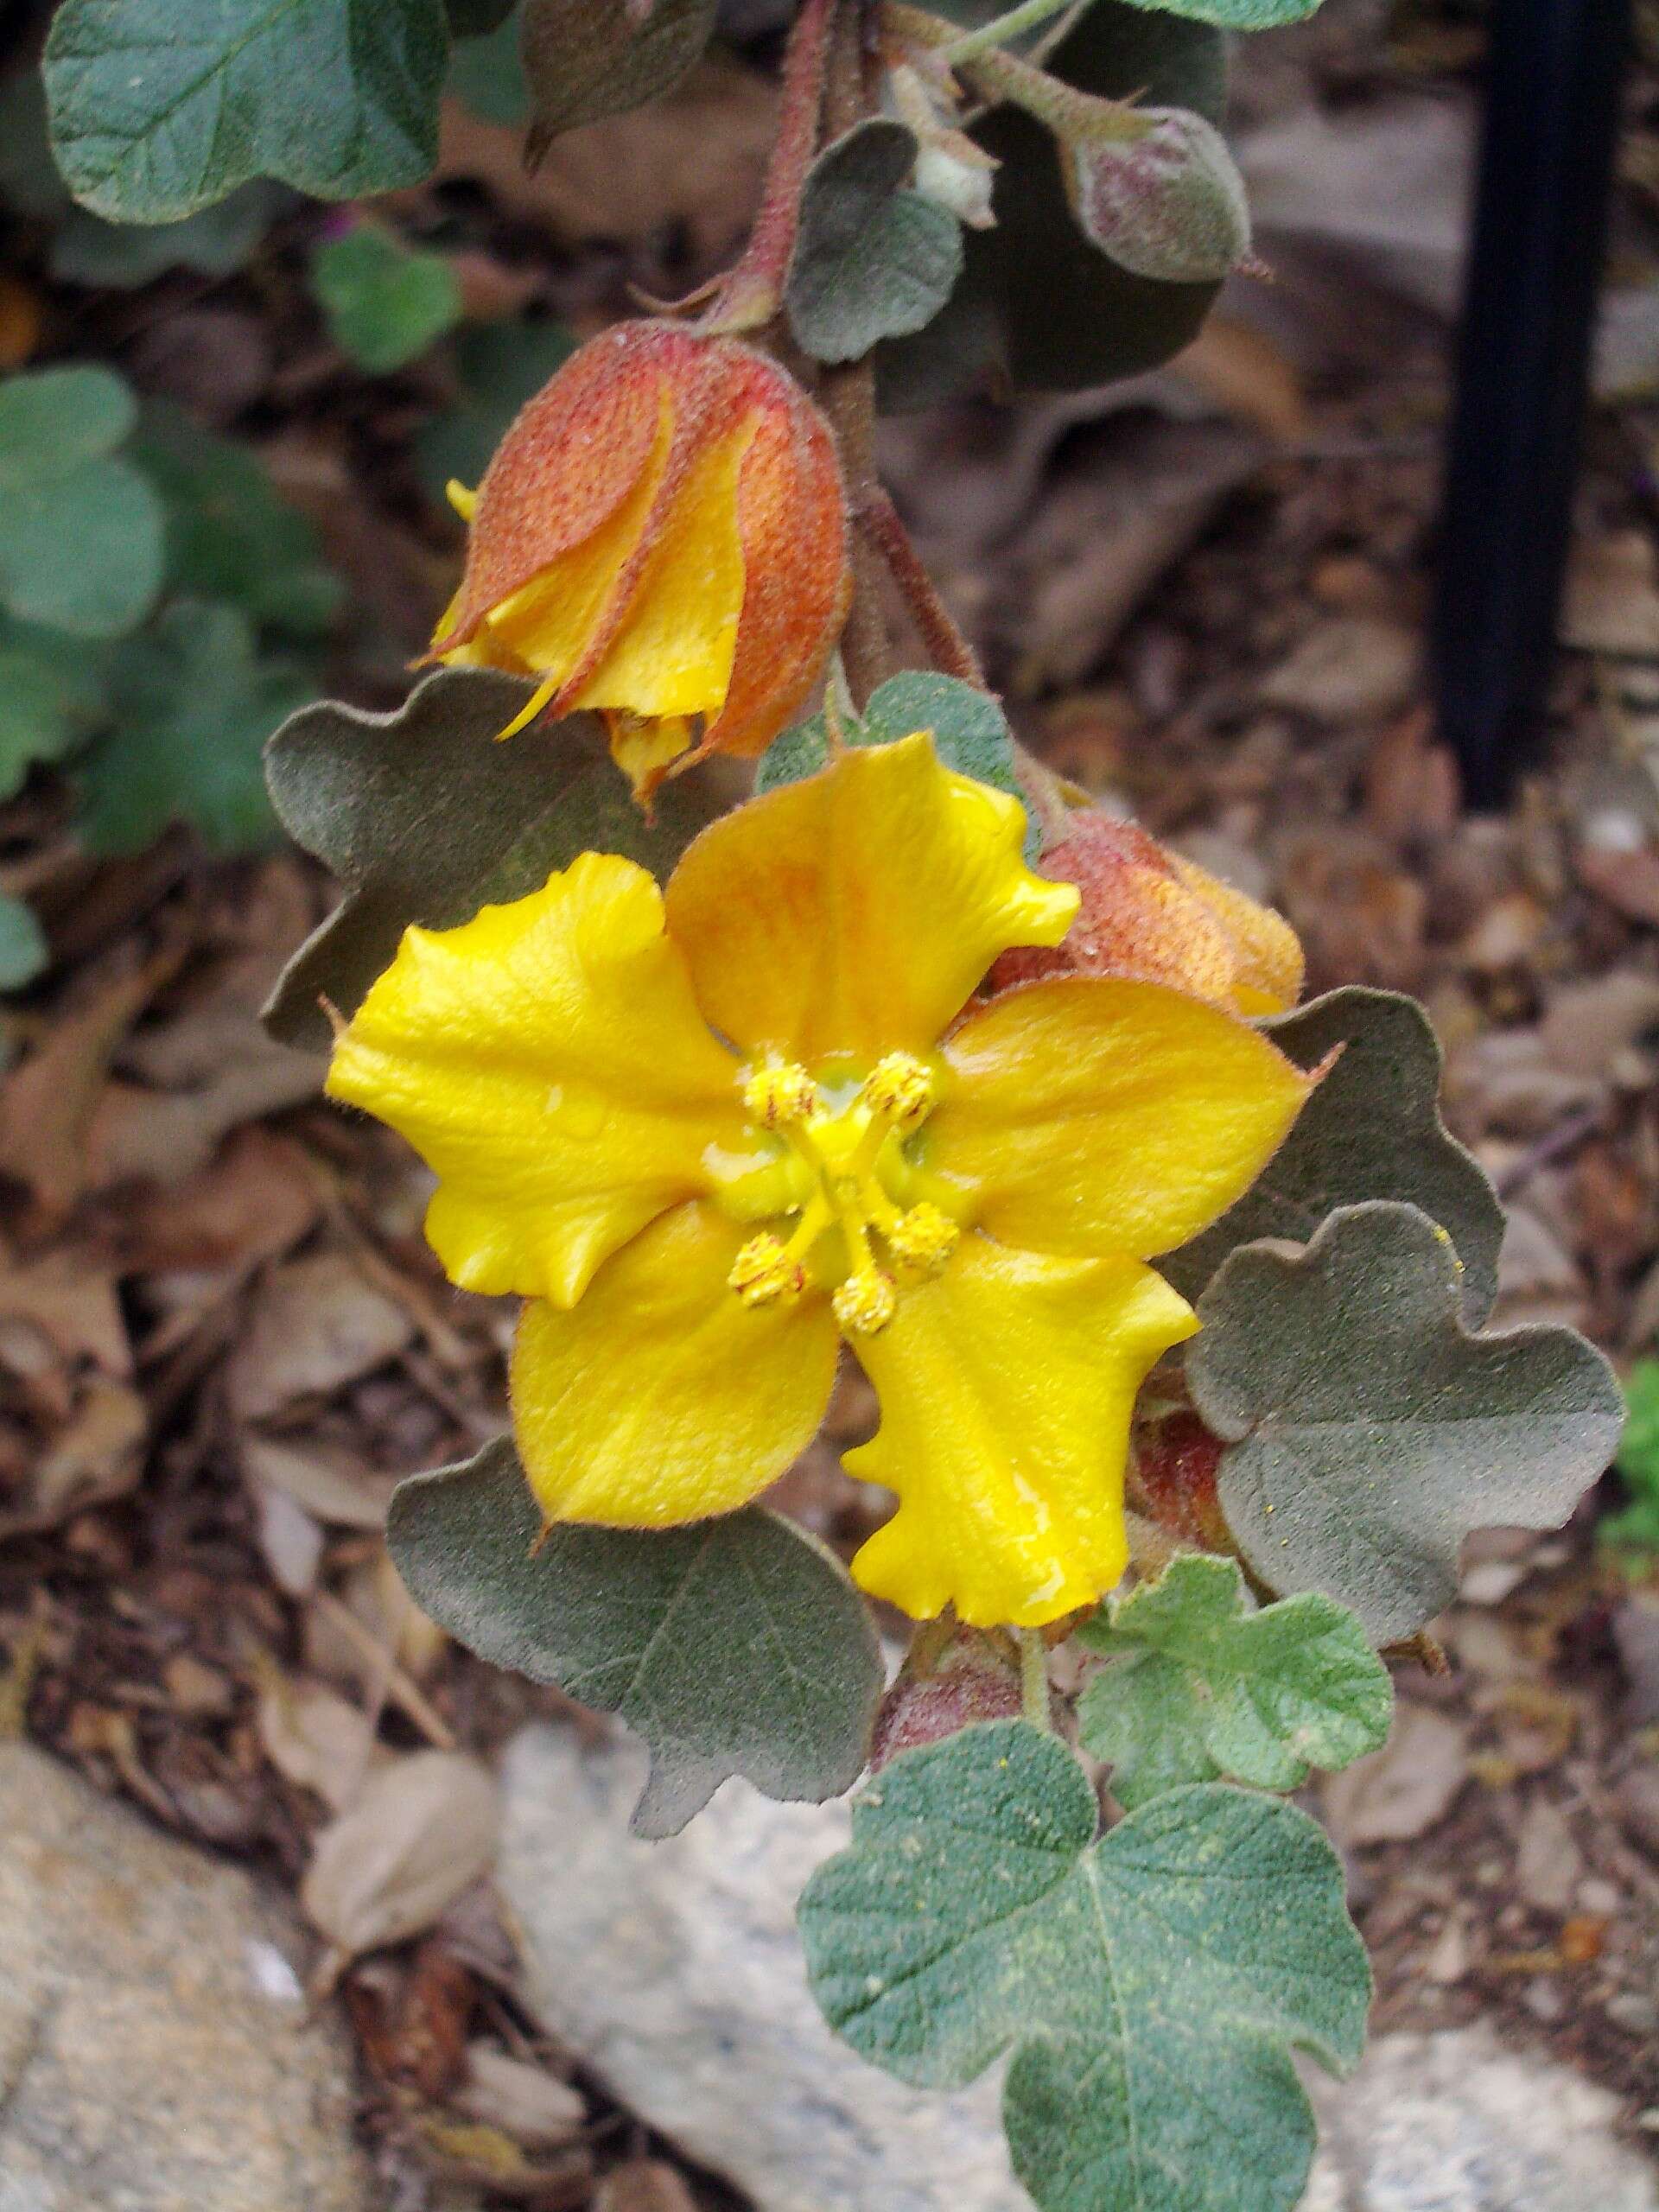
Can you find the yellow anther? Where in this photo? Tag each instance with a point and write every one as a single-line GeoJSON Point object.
{"type": "Point", "coordinates": [764, 1271]}
{"type": "Point", "coordinates": [902, 1088]}
{"type": "Point", "coordinates": [865, 1302]}
{"type": "Point", "coordinates": [924, 1238]}
{"type": "Point", "coordinates": [778, 1095]}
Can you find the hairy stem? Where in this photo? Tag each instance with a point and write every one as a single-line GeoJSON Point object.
{"type": "Point", "coordinates": [948, 649]}
{"type": "Point", "coordinates": [1001, 29]}
{"type": "Point", "coordinates": [751, 295]}
{"type": "Point", "coordinates": [1033, 1679]}
{"type": "Point", "coordinates": [847, 392]}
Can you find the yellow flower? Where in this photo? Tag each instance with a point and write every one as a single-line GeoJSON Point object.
{"type": "Point", "coordinates": [709, 1135]}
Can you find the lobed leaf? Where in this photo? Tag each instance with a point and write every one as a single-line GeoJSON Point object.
{"type": "Point", "coordinates": [229, 535]}
{"type": "Point", "coordinates": [587, 59]}
{"type": "Point", "coordinates": [1151, 1985]}
{"type": "Point", "coordinates": [363, 792]}
{"type": "Point", "coordinates": [80, 528]}
{"type": "Point", "coordinates": [735, 1646]}
{"type": "Point", "coordinates": [1237, 15]}
{"type": "Point", "coordinates": [384, 305]}
{"type": "Point", "coordinates": [872, 257]}
{"type": "Point", "coordinates": [969, 731]}
{"type": "Point", "coordinates": [123, 256]}
{"type": "Point", "coordinates": [160, 107]}
{"type": "Point", "coordinates": [1370, 1430]}
{"type": "Point", "coordinates": [52, 696]}
{"type": "Point", "coordinates": [1371, 1130]}
{"type": "Point", "coordinates": [193, 704]}
{"type": "Point", "coordinates": [1205, 1685]}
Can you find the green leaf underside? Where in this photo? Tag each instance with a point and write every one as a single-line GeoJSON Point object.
{"type": "Point", "coordinates": [969, 731]}
{"type": "Point", "coordinates": [1203, 1685]}
{"type": "Point", "coordinates": [160, 107]}
{"type": "Point", "coordinates": [587, 59]}
{"type": "Point", "coordinates": [1150, 1984]}
{"type": "Point", "coordinates": [1037, 304]}
{"type": "Point", "coordinates": [873, 259]}
{"type": "Point", "coordinates": [487, 74]}
{"type": "Point", "coordinates": [193, 705]}
{"type": "Point", "coordinates": [366, 792]}
{"type": "Point", "coordinates": [23, 944]}
{"type": "Point", "coordinates": [384, 305]}
{"type": "Point", "coordinates": [1368, 1432]}
{"type": "Point", "coordinates": [1371, 1130]}
{"type": "Point", "coordinates": [80, 528]}
{"type": "Point", "coordinates": [735, 1646]}
{"type": "Point", "coordinates": [1237, 15]}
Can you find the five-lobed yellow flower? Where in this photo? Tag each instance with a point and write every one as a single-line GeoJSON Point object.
{"type": "Point", "coordinates": [708, 1133]}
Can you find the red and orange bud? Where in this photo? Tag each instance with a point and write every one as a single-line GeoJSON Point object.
{"type": "Point", "coordinates": [1158, 917]}
{"type": "Point", "coordinates": [1175, 1468]}
{"type": "Point", "coordinates": [662, 537]}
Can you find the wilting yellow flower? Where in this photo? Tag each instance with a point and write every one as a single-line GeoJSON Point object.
{"type": "Point", "coordinates": [710, 1134]}
{"type": "Point", "coordinates": [660, 537]}
{"type": "Point", "coordinates": [1153, 913]}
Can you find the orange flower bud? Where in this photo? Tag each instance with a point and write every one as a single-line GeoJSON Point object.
{"type": "Point", "coordinates": [660, 537]}
{"type": "Point", "coordinates": [1159, 918]}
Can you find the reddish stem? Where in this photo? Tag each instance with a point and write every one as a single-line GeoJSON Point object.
{"type": "Point", "coordinates": [754, 292]}
{"type": "Point", "coordinates": [947, 648]}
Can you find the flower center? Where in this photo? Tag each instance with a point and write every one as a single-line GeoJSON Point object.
{"type": "Point", "coordinates": [836, 1164]}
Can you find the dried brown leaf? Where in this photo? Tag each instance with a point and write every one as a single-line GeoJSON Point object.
{"type": "Point", "coordinates": [420, 1832]}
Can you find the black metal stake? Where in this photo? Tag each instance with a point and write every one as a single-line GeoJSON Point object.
{"type": "Point", "coordinates": [1540, 227]}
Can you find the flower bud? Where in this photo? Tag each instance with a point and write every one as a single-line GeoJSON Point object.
{"type": "Point", "coordinates": [1155, 916]}
{"type": "Point", "coordinates": [1173, 1470]}
{"type": "Point", "coordinates": [970, 1679]}
{"type": "Point", "coordinates": [661, 538]}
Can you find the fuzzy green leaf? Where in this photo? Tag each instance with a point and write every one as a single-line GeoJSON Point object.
{"type": "Point", "coordinates": [1371, 1130]}
{"type": "Point", "coordinates": [1038, 305]}
{"type": "Point", "coordinates": [384, 305]}
{"type": "Point", "coordinates": [873, 258]}
{"type": "Point", "coordinates": [969, 731]}
{"type": "Point", "coordinates": [23, 944]}
{"type": "Point", "coordinates": [1150, 1983]}
{"type": "Point", "coordinates": [160, 107]}
{"type": "Point", "coordinates": [1370, 1430]}
{"type": "Point", "coordinates": [736, 1646]}
{"type": "Point", "coordinates": [587, 59]}
{"type": "Point", "coordinates": [80, 529]}
{"type": "Point", "coordinates": [1205, 1685]}
{"type": "Point", "coordinates": [229, 536]}
{"type": "Point", "coordinates": [501, 366]}
{"type": "Point", "coordinates": [193, 705]}
{"type": "Point", "coordinates": [363, 792]}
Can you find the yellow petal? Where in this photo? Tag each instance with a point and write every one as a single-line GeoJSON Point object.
{"type": "Point", "coordinates": [855, 913]}
{"type": "Point", "coordinates": [1094, 1115]}
{"type": "Point", "coordinates": [1268, 966]}
{"type": "Point", "coordinates": [673, 652]}
{"type": "Point", "coordinates": [546, 626]}
{"type": "Point", "coordinates": [1006, 1386]}
{"type": "Point", "coordinates": [548, 1062]}
{"type": "Point", "coordinates": [663, 1397]}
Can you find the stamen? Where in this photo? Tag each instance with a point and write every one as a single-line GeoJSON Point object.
{"type": "Point", "coordinates": [901, 1087]}
{"type": "Point", "coordinates": [865, 1303]}
{"type": "Point", "coordinates": [779, 1094]}
{"type": "Point", "coordinates": [764, 1270]}
{"type": "Point", "coordinates": [922, 1239]}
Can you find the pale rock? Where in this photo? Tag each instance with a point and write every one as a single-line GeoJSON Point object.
{"type": "Point", "coordinates": [1352, 668]}
{"type": "Point", "coordinates": [1407, 1787]}
{"type": "Point", "coordinates": [675, 1970]}
{"type": "Point", "coordinates": [157, 2051]}
{"type": "Point", "coordinates": [1548, 1865]}
{"type": "Point", "coordinates": [1454, 2122]}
